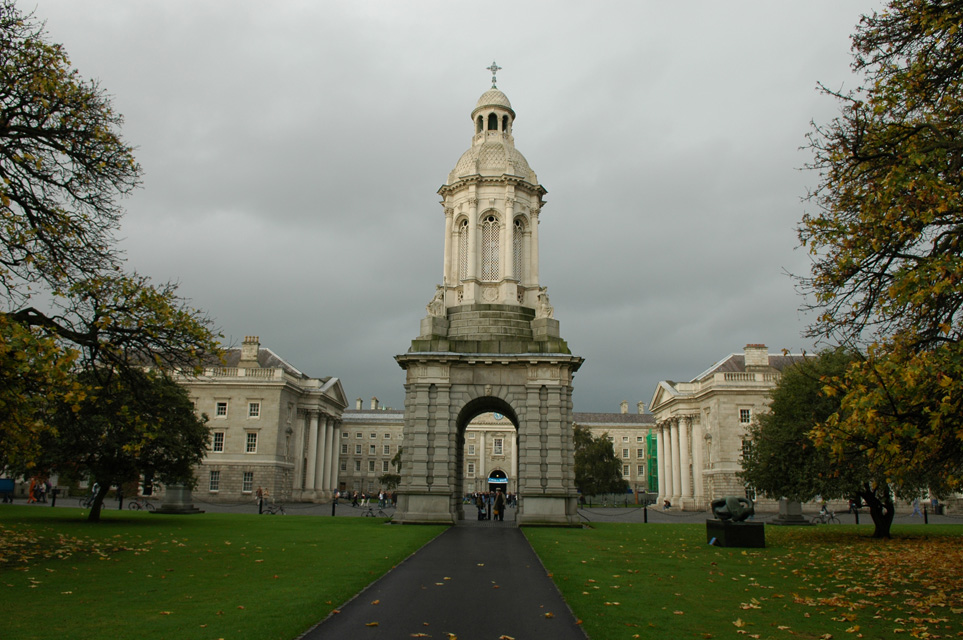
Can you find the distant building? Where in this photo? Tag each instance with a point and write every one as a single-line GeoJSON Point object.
{"type": "Point", "coordinates": [272, 427]}
{"type": "Point", "coordinates": [701, 425]}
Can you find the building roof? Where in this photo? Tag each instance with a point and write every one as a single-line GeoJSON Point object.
{"type": "Point", "coordinates": [266, 359]}
{"type": "Point", "coordinates": [736, 363]}
{"type": "Point", "coordinates": [615, 419]}
{"type": "Point", "coordinates": [493, 98]}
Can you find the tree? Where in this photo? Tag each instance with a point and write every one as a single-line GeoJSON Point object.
{"type": "Point", "coordinates": [391, 480]}
{"type": "Point", "coordinates": [597, 470]}
{"type": "Point", "coordinates": [887, 246]}
{"type": "Point", "coordinates": [784, 460]}
{"type": "Point", "coordinates": [125, 426]}
{"type": "Point", "coordinates": [63, 170]}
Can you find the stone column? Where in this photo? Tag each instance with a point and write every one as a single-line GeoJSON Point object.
{"type": "Point", "coordinates": [312, 451]}
{"type": "Point", "coordinates": [684, 461]}
{"type": "Point", "coordinates": [507, 236]}
{"type": "Point", "coordinates": [676, 463]}
{"type": "Point", "coordinates": [514, 439]}
{"type": "Point", "coordinates": [299, 456]}
{"type": "Point", "coordinates": [534, 249]}
{"type": "Point", "coordinates": [698, 463]}
{"type": "Point", "coordinates": [473, 256]}
{"type": "Point", "coordinates": [450, 274]}
{"type": "Point", "coordinates": [333, 452]}
{"type": "Point", "coordinates": [660, 459]}
{"type": "Point", "coordinates": [330, 444]}
{"type": "Point", "coordinates": [321, 454]}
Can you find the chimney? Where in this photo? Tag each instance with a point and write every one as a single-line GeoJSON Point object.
{"type": "Point", "coordinates": [374, 403]}
{"type": "Point", "coordinates": [249, 351]}
{"type": "Point", "coordinates": [757, 355]}
{"type": "Point", "coordinates": [641, 406]}
{"type": "Point", "coordinates": [357, 404]}
{"type": "Point", "coordinates": [624, 407]}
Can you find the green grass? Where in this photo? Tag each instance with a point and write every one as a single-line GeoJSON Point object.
{"type": "Point", "coordinates": [209, 576]}
{"type": "Point", "coordinates": [664, 581]}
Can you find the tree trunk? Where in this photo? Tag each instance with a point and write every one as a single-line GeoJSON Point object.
{"type": "Point", "coordinates": [881, 509]}
{"type": "Point", "coordinates": [94, 515]}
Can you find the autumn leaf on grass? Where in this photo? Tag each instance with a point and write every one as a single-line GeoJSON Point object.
{"type": "Point", "coordinates": [549, 615]}
{"type": "Point", "coordinates": [371, 624]}
{"type": "Point", "coordinates": [739, 622]}
{"type": "Point", "coordinates": [679, 613]}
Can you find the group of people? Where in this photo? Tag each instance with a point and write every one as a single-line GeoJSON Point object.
{"type": "Point", "coordinates": [361, 499]}
{"type": "Point", "coordinates": [493, 503]}
{"type": "Point", "coordinates": [39, 487]}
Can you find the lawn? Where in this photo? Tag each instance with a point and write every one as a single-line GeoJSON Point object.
{"type": "Point", "coordinates": [209, 576]}
{"type": "Point", "coordinates": [652, 581]}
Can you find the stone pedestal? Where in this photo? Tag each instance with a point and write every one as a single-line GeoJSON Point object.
{"type": "Point", "coordinates": [177, 500]}
{"type": "Point", "coordinates": [724, 533]}
{"type": "Point", "coordinates": [790, 513]}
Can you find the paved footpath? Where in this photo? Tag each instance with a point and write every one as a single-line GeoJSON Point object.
{"type": "Point", "coordinates": [474, 581]}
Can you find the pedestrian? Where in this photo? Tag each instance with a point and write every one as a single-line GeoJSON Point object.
{"type": "Point", "coordinates": [499, 505]}
{"type": "Point", "coordinates": [480, 504]}
{"type": "Point", "coordinates": [916, 508]}
{"type": "Point", "coordinates": [259, 497]}
{"type": "Point", "coordinates": [666, 504]}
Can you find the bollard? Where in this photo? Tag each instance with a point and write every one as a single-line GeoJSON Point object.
{"type": "Point", "coordinates": [645, 513]}
{"type": "Point", "coordinates": [926, 517]}
{"type": "Point", "coordinates": [856, 511]}
{"type": "Point", "coordinates": [334, 505]}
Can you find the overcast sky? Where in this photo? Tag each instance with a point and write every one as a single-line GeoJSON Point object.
{"type": "Point", "coordinates": [292, 153]}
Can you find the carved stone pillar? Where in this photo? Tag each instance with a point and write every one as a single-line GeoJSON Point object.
{"type": "Point", "coordinates": [333, 465]}
{"type": "Point", "coordinates": [685, 489]}
{"type": "Point", "coordinates": [312, 453]}
{"type": "Point", "coordinates": [676, 462]}
{"type": "Point", "coordinates": [698, 462]}
{"type": "Point", "coordinates": [660, 449]}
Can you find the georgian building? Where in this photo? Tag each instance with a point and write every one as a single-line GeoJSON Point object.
{"type": "Point", "coordinates": [272, 427]}
{"type": "Point", "coordinates": [700, 425]}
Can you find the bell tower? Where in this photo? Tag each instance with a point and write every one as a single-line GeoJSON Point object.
{"type": "Point", "coordinates": [489, 341]}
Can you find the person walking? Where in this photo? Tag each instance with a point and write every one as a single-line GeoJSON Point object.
{"type": "Point", "coordinates": [499, 505]}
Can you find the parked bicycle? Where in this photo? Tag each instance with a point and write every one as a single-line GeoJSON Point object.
{"type": "Point", "coordinates": [140, 503]}
{"type": "Point", "coordinates": [87, 502]}
{"type": "Point", "coordinates": [274, 508]}
{"type": "Point", "coordinates": [825, 517]}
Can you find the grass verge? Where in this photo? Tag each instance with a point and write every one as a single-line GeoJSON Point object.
{"type": "Point", "coordinates": [649, 581]}
{"type": "Point", "coordinates": [208, 576]}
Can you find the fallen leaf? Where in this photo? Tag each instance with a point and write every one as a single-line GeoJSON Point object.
{"type": "Point", "coordinates": [371, 624]}
{"type": "Point", "coordinates": [549, 615]}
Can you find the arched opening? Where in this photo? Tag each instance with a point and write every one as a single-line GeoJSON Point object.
{"type": "Point", "coordinates": [479, 125]}
{"type": "Point", "coordinates": [487, 456]}
{"type": "Point", "coordinates": [490, 249]}
{"type": "Point", "coordinates": [492, 122]}
{"type": "Point", "coordinates": [504, 123]}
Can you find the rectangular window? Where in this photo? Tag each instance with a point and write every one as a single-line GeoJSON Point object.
{"type": "Point", "coordinates": [640, 453]}
{"type": "Point", "coordinates": [387, 450]}
{"type": "Point", "coordinates": [625, 438]}
{"type": "Point", "coordinates": [639, 439]}
{"type": "Point", "coordinates": [384, 466]}
{"type": "Point", "coordinates": [746, 448]}
{"type": "Point", "coordinates": [253, 409]}
{"type": "Point", "coordinates": [471, 449]}
{"type": "Point", "coordinates": [358, 435]}
{"type": "Point", "coordinates": [471, 468]}
{"type": "Point", "coordinates": [373, 436]}
{"type": "Point", "coordinates": [745, 416]}
{"type": "Point", "coordinates": [625, 453]}
{"type": "Point", "coordinates": [247, 482]}
{"type": "Point", "coordinates": [344, 434]}
{"type": "Point", "coordinates": [344, 448]}
{"type": "Point", "coordinates": [251, 445]}
{"type": "Point", "coordinates": [215, 481]}
{"type": "Point", "coordinates": [357, 449]}
{"type": "Point", "coordinates": [371, 450]}
{"type": "Point", "coordinates": [471, 436]}
{"type": "Point", "coordinates": [371, 465]}
{"type": "Point", "coordinates": [497, 446]}
{"type": "Point", "coordinates": [221, 410]}
{"type": "Point", "coordinates": [344, 465]}
{"type": "Point", "coordinates": [625, 470]}
{"type": "Point", "coordinates": [218, 445]}
{"type": "Point", "coordinates": [640, 471]}
{"type": "Point", "coordinates": [387, 436]}
{"type": "Point", "coordinates": [357, 465]}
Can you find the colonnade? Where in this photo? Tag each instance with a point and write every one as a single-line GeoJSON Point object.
{"type": "Point", "coordinates": [316, 464]}
{"type": "Point", "coordinates": [680, 444]}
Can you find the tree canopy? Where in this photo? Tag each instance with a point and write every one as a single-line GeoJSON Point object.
{"type": "Point", "coordinates": [597, 470]}
{"type": "Point", "coordinates": [66, 301]}
{"type": "Point", "coordinates": [886, 241]}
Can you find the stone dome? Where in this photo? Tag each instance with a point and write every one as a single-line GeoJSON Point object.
{"type": "Point", "coordinates": [493, 98]}
{"type": "Point", "coordinates": [493, 158]}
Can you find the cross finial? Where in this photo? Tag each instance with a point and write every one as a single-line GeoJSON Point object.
{"type": "Point", "coordinates": [494, 68]}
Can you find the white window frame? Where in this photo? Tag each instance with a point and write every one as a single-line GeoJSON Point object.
{"type": "Point", "coordinates": [498, 446]}
{"type": "Point", "coordinates": [344, 448]}
{"type": "Point", "coordinates": [626, 470]}
{"type": "Point", "coordinates": [384, 466]}
{"type": "Point", "coordinates": [214, 484]}
{"type": "Point", "coordinates": [357, 449]}
{"type": "Point", "coordinates": [745, 416]}
{"type": "Point", "coordinates": [357, 465]}
{"type": "Point", "coordinates": [250, 442]}
{"type": "Point", "coordinates": [387, 450]}
{"type": "Point", "coordinates": [218, 406]}
{"type": "Point", "coordinates": [625, 453]}
{"type": "Point", "coordinates": [253, 409]}
{"type": "Point", "coordinates": [471, 449]}
{"type": "Point", "coordinates": [471, 468]}
{"type": "Point", "coordinates": [247, 482]}
{"type": "Point", "coordinates": [387, 436]}
{"type": "Point", "coordinates": [372, 448]}
{"type": "Point", "coordinates": [215, 441]}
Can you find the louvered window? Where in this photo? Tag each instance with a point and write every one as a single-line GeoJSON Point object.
{"type": "Point", "coordinates": [490, 249]}
{"type": "Point", "coordinates": [463, 251]}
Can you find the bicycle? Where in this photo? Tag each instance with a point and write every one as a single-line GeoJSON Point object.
{"type": "Point", "coordinates": [370, 513]}
{"type": "Point", "coordinates": [825, 517]}
{"type": "Point", "coordinates": [140, 503]}
{"type": "Point", "coordinates": [87, 502]}
{"type": "Point", "coordinates": [273, 509]}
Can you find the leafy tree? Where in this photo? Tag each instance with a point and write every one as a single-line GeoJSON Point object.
{"type": "Point", "coordinates": [125, 426]}
{"type": "Point", "coordinates": [887, 246]}
{"type": "Point", "coordinates": [784, 461]}
{"type": "Point", "coordinates": [63, 170]}
{"type": "Point", "coordinates": [391, 480]}
{"type": "Point", "coordinates": [597, 470]}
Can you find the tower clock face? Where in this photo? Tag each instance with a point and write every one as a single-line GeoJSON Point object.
{"type": "Point", "coordinates": [498, 416]}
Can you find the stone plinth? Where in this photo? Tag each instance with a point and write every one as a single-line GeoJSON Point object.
{"type": "Point", "coordinates": [724, 533]}
{"type": "Point", "coordinates": [790, 513]}
{"type": "Point", "coordinates": [177, 500]}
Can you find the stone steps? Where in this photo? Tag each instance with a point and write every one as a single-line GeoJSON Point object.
{"type": "Point", "coordinates": [490, 322]}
